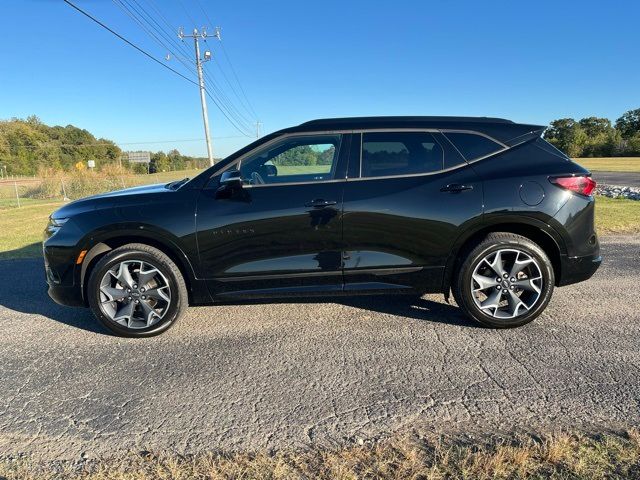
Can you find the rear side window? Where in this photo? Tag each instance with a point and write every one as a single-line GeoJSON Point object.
{"type": "Point", "coordinates": [473, 146]}
{"type": "Point", "coordinates": [400, 153]}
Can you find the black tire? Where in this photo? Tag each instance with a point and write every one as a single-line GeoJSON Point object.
{"type": "Point", "coordinates": [137, 251]}
{"type": "Point", "coordinates": [463, 282]}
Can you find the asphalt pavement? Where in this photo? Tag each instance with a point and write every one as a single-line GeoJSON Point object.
{"type": "Point", "coordinates": [296, 374]}
{"type": "Point", "coordinates": [622, 179]}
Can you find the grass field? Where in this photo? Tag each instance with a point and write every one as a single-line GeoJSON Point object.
{"type": "Point", "coordinates": [303, 169]}
{"type": "Point", "coordinates": [97, 181]}
{"type": "Point", "coordinates": [21, 228]}
{"type": "Point", "coordinates": [405, 456]}
{"type": "Point", "coordinates": [613, 164]}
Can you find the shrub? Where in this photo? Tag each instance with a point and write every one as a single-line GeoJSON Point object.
{"type": "Point", "coordinates": [48, 188]}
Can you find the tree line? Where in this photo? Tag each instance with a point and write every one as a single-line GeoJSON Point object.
{"type": "Point", "coordinates": [29, 147]}
{"type": "Point", "coordinates": [597, 137]}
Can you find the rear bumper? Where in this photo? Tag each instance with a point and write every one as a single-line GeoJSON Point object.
{"type": "Point", "coordinates": [577, 269]}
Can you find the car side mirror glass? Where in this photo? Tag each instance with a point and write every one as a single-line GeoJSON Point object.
{"type": "Point", "coordinates": [230, 185]}
{"type": "Point", "coordinates": [231, 178]}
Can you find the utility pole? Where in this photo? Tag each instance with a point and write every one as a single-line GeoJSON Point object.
{"type": "Point", "coordinates": [203, 100]}
{"type": "Point", "coordinates": [258, 125]}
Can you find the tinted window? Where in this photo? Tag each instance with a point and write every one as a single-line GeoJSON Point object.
{"type": "Point", "coordinates": [400, 153]}
{"type": "Point", "coordinates": [473, 146]}
{"type": "Point", "coordinates": [296, 159]}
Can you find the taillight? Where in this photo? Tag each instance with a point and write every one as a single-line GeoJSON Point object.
{"type": "Point", "coordinates": [581, 184]}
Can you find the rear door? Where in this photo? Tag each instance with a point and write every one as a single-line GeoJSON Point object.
{"type": "Point", "coordinates": [404, 205]}
{"type": "Point", "coordinates": [281, 233]}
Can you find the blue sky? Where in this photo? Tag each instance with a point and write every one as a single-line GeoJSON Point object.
{"type": "Point", "coordinates": [298, 60]}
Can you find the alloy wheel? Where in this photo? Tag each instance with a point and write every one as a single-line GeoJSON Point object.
{"type": "Point", "coordinates": [507, 283]}
{"type": "Point", "coordinates": [134, 294]}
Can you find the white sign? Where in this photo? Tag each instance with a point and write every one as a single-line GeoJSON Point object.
{"type": "Point", "coordinates": [91, 163]}
{"type": "Point", "coordinates": [137, 157]}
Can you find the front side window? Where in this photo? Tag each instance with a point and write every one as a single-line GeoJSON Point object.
{"type": "Point", "coordinates": [473, 146]}
{"type": "Point", "coordinates": [297, 159]}
{"type": "Point", "coordinates": [400, 153]}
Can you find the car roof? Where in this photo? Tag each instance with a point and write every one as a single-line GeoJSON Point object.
{"type": "Point", "coordinates": [409, 120]}
{"type": "Point", "coordinates": [501, 129]}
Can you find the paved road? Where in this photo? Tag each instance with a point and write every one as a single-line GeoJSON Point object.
{"type": "Point", "coordinates": [293, 374]}
{"type": "Point", "coordinates": [622, 179]}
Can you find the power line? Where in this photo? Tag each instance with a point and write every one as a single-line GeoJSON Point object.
{"type": "Point", "coordinates": [222, 101]}
{"type": "Point", "coordinates": [193, 22]}
{"type": "Point", "coordinates": [233, 70]}
{"type": "Point", "coordinates": [128, 42]}
{"type": "Point", "coordinates": [151, 57]}
{"type": "Point", "coordinates": [224, 51]}
{"type": "Point", "coordinates": [204, 12]}
{"type": "Point", "coordinates": [102, 144]}
{"type": "Point", "coordinates": [221, 97]}
{"type": "Point", "coordinates": [128, 10]}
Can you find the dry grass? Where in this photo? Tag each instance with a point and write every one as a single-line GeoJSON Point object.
{"type": "Point", "coordinates": [610, 164]}
{"type": "Point", "coordinates": [407, 456]}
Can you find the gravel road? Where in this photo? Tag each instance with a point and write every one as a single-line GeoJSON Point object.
{"type": "Point", "coordinates": [278, 375]}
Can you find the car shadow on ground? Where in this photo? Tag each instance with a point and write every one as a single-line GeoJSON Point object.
{"type": "Point", "coordinates": [23, 289]}
{"type": "Point", "coordinates": [408, 306]}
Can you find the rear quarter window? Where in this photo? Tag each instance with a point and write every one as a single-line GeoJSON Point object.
{"type": "Point", "coordinates": [473, 146]}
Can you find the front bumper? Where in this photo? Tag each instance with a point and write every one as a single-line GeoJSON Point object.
{"type": "Point", "coordinates": [577, 269]}
{"type": "Point", "coordinates": [59, 273]}
{"type": "Point", "coordinates": [67, 296]}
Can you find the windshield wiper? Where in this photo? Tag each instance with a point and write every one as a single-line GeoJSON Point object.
{"type": "Point", "coordinates": [176, 184]}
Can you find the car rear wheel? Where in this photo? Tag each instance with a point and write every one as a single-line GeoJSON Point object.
{"type": "Point", "coordinates": [137, 291]}
{"type": "Point", "coordinates": [505, 281]}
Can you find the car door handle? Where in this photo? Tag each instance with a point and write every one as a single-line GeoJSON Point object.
{"type": "Point", "coordinates": [320, 203]}
{"type": "Point", "coordinates": [456, 187]}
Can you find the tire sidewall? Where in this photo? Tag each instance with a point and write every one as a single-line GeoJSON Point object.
{"type": "Point", "coordinates": [166, 269]}
{"type": "Point", "coordinates": [480, 252]}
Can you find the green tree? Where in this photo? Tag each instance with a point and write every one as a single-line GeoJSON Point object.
{"type": "Point", "coordinates": [567, 135]}
{"type": "Point", "coordinates": [176, 160]}
{"type": "Point", "coordinates": [600, 138]}
{"type": "Point", "coordinates": [629, 124]}
{"type": "Point", "coordinates": [160, 162]}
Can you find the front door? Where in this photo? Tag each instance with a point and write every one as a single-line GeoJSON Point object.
{"type": "Point", "coordinates": [281, 232]}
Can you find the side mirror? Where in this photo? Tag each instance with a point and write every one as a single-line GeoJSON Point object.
{"type": "Point", "coordinates": [230, 184]}
{"type": "Point", "coordinates": [231, 178]}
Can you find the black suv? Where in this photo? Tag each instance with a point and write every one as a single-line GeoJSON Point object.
{"type": "Point", "coordinates": [482, 207]}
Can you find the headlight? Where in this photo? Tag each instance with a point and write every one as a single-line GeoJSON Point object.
{"type": "Point", "coordinates": [55, 224]}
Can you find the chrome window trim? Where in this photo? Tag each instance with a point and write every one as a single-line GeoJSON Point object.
{"type": "Point", "coordinates": [473, 132]}
{"type": "Point", "coordinates": [361, 132]}
{"type": "Point", "coordinates": [361, 148]}
{"type": "Point", "coordinates": [287, 184]}
{"type": "Point", "coordinates": [237, 162]}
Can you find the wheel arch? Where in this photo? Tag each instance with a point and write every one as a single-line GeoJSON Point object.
{"type": "Point", "coordinates": [534, 230]}
{"type": "Point", "coordinates": [105, 244]}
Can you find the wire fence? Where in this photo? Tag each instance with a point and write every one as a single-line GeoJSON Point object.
{"type": "Point", "coordinates": [17, 192]}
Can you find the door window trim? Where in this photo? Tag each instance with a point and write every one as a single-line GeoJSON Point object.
{"type": "Point", "coordinates": [360, 132]}
{"type": "Point", "coordinates": [427, 130]}
{"type": "Point", "coordinates": [236, 164]}
{"type": "Point", "coordinates": [472, 132]}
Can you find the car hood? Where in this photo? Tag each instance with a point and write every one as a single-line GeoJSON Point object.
{"type": "Point", "coordinates": [144, 189]}
{"type": "Point", "coordinates": [108, 199]}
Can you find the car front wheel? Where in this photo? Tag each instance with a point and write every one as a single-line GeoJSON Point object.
{"type": "Point", "coordinates": [505, 281]}
{"type": "Point", "coordinates": [137, 291]}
